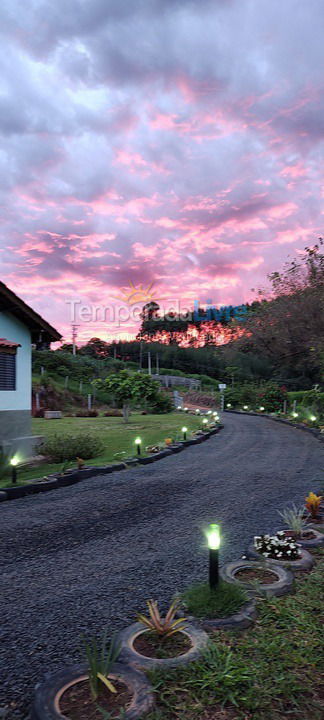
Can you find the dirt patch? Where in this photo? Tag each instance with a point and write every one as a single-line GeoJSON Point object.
{"type": "Point", "coordinates": [77, 702]}
{"type": "Point", "coordinates": [265, 577]}
{"type": "Point", "coordinates": [155, 647]}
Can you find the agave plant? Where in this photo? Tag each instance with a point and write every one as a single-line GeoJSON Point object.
{"type": "Point", "coordinates": [312, 504]}
{"type": "Point", "coordinates": [294, 519]}
{"type": "Point", "coordinates": [163, 627]}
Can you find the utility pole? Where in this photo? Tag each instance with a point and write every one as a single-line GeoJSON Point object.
{"type": "Point", "coordinates": [141, 356]}
{"type": "Point", "coordinates": [74, 337]}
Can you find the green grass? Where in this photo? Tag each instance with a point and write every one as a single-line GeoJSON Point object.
{"type": "Point", "coordinates": [269, 672]}
{"type": "Point", "coordinates": [225, 600]}
{"type": "Point", "coordinates": [117, 436]}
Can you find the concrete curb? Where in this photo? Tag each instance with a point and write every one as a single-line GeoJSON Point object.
{"type": "Point", "coordinates": [313, 431]}
{"type": "Point", "coordinates": [71, 477]}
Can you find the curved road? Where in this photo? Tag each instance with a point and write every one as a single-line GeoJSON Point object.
{"type": "Point", "coordinates": [76, 559]}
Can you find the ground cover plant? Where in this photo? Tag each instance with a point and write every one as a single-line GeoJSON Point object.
{"type": "Point", "coordinates": [277, 547]}
{"type": "Point", "coordinates": [202, 602]}
{"type": "Point", "coordinates": [268, 672]}
{"type": "Point", "coordinates": [116, 436]}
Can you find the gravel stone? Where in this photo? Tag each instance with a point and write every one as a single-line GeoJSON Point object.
{"type": "Point", "coordinates": [84, 557]}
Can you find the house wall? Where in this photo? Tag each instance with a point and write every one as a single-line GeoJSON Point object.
{"type": "Point", "coordinates": [15, 405]}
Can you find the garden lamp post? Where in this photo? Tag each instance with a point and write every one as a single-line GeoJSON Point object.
{"type": "Point", "coordinates": [213, 540]}
{"type": "Point", "coordinates": [205, 421]}
{"type": "Point", "coordinates": [313, 418]}
{"type": "Point", "coordinates": [138, 445]}
{"type": "Point", "coordinates": [184, 430]}
{"type": "Point", "coordinates": [13, 463]}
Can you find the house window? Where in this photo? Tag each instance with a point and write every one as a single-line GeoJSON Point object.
{"type": "Point", "coordinates": [7, 371]}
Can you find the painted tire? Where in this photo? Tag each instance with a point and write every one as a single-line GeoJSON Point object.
{"type": "Point", "coordinates": [244, 618]}
{"type": "Point", "coordinates": [48, 692]}
{"type": "Point", "coordinates": [129, 655]}
{"type": "Point", "coordinates": [281, 586]}
{"type": "Point", "coordinates": [305, 562]}
{"type": "Point", "coordinates": [314, 542]}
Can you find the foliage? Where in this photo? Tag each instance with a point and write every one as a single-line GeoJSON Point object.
{"type": "Point", "coordinates": [135, 389]}
{"type": "Point", "coordinates": [4, 463]}
{"type": "Point", "coordinates": [277, 547]}
{"type": "Point", "coordinates": [60, 448]}
{"type": "Point", "coordinates": [313, 503]}
{"type": "Point", "coordinates": [271, 671]}
{"type": "Point", "coordinates": [163, 627]}
{"type": "Point", "coordinates": [100, 659]}
{"type": "Point", "coordinates": [271, 396]}
{"type": "Point", "coordinates": [294, 519]}
{"type": "Point", "coordinates": [202, 602]}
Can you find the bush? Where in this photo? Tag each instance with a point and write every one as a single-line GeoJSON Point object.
{"type": "Point", "coordinates": [39, 413]}
{"type": "Point", "coordinates": [87, 413]}
{"type": "Point", "coordinates": [114, 412]}
{"type": "Point", "coordinates": [59, 448]}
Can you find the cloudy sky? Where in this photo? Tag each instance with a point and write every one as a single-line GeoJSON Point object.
{"type": "Point", "coordinates": [174, 142]}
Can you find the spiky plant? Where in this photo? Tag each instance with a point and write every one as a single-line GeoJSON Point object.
{"type": "Point", "coordinates": [163, 627]}
{"type": "Point", "coordinates": [294, 519]}
{"type": "Point", "coordinates": [100, 658]}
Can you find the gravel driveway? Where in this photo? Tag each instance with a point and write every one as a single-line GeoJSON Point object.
{"type": "Point", "coordinates": [79, 558]}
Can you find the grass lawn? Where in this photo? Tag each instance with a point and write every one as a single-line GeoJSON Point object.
{"type": "Point", "coordinates": [117, 436]}
{"type": "Point", "coordinates": [271, 671]}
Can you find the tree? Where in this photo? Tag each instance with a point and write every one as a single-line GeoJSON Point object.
{"type": "Point", "coordinates": [128, 389]}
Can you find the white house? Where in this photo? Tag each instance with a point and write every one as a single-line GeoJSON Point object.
{"type": "Point", "coordinates": [20, 329]}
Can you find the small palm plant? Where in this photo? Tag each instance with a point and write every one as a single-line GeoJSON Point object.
{"type": "Point", "coordinates": [100, 658]}
{"type": "Point", "coordinates": [163, 627]}
{"type": "Point", "coordinates": [294, 519]}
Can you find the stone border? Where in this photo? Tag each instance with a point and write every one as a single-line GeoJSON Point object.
{"type": "Point", "coordinates": [281, 586]}
{"type": "Point", "coordinates": [130, 656]}
{"type": "Point", "coordinates": [46, 692]}
{"type": "Point", "coordinates": [72, 477]}
{"type": "Point", "coordinates": [313, 431]}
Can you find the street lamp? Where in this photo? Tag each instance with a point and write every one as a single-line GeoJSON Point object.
{"type": "Point", "coordinates": [213, 540]}
{"type": "Point", "coordinates": [138, 445]}
{"type": "Point", "coordinates": [184, 430]}
{"type": "Point", "coordinates": [14, 463]}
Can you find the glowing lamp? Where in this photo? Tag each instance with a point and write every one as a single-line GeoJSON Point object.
{"type": "Point", "coordinates": [205, 421]}
{"type": "Point", "coordinates": [245, 407]}
{"type": "Point", "coordinates": [179, 407]}
{"type": "Point", "coordinates": [184, 430]}
{"type": "Point", "coordinates": [313, 418]}
{"type": "Point", "coordinates": [198, 411]}
{"type": "Point", "coordinates": [228, 404]}
{"type": "Point", "coordinates": [213, 540]}
{"type": "Point", "coordinates": [14, 463]}
{"type": "Point", "coordinates": [137, 442]}
{"type": "Point", "coordinates": [185, 409]}
{"type": "Point", "coordinates": [209, 412]}
{"type": "Point", "coordinates": [295, 414]}
{"type": "Point", "coordinates": [261, 408]}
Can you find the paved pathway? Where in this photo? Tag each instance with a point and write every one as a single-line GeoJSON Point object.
{"type": "Point", "coordinates": [79, 558]}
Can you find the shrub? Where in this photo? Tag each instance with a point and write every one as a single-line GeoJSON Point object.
{"type": "Point", "coordinates": [59, 448]}
{"type": "Point", "coordinates": [39, 413]}
{"type": "Point", "coordinates": [114, 412]}
{"type": "Point", "coordinates": [87, 413]}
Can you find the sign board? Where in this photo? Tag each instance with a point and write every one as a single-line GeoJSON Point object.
{"type": "Point", "coordinates": [222, 386]}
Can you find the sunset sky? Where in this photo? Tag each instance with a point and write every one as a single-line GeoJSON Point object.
{"type": "Point", "coordinates": [173, 142]}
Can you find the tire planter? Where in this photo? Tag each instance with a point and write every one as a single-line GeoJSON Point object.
{"type": "Point", "coordinates": [48, 692]}
{"type": "Point", "coordinates": [244, 618]}
{"type": "Point", "coordinates": [129, 655]}
{"type": "Point", "coordinates": [314, 542]}
{"type": "Point", "coordinates": [281, 586]}
{"type": "Point", "coordinates": [305, 562]}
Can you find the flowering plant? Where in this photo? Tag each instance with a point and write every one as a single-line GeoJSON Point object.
{"type": "Point", "coordinates": [277, 547]}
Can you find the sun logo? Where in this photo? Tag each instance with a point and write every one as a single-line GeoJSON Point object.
{"type": "Point", "coordinates": [139, 294]}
